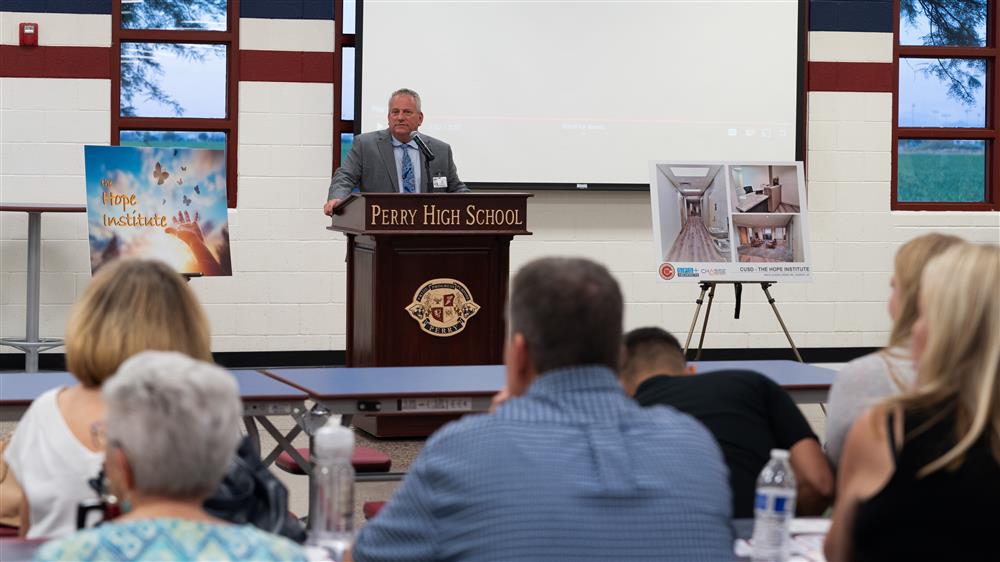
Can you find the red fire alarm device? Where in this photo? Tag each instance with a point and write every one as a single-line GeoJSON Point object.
{"type": "Point", "coordinates": [29, 34]}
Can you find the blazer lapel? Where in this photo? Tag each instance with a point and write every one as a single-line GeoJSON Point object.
{"type": "Point", "coordinates": [385, 151]}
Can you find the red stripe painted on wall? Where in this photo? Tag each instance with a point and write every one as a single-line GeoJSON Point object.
{"type": "Point", "coordinates": [850, 77]}
{"type": "Point", "coordinates": [55, 62]}
{"type": "Point", "coordinates": [286, 66]}
{"type": "Point", "coordinates": [95, 62]}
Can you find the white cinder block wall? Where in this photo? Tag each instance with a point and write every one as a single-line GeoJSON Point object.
{"type": "Point", "coordinates": [44, 124]}
{"type": "Point", "coordinates": [854, 233]}
{"type": "Point", "coordinates": [287, 292]}
{"type": "Point", "coordinates": [288, 287]}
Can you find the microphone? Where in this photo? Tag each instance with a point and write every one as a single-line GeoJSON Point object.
{"type": "Point", "coordinates": [428, 154]}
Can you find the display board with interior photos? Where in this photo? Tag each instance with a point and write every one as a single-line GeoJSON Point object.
{"type": "Point", "coordinates": [730, 221]}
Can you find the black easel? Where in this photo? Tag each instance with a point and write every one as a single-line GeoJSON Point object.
{"type": "Point", "coordinates": [709, 287]}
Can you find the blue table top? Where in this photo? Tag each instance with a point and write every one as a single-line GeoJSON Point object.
{"type": "Point", "coordinates": [372, 382]}
{"type": "Point", "coordinates": [18, 387]}
{"type": "Point", "coordinates": [791, 375]}
{"type": "Point", "coordinates": [21, 388]}
{"type": "Point", "coordinates": [257, 386]}
{"type": "Point", "coordinates": [473, 380]}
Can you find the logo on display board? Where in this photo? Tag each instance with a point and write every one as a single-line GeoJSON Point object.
{"type": "Point", "coordinates": [442, 307]}
{"type": "Point", "coordinates": [667, 271]}
{"type": "Point", "coordinates": [687, 272]}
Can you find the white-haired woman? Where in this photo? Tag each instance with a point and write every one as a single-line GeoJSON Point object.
{"type": "Point", "coordinates": [171, 427]}
{"type": "Point", "coordinates": [920, 475]}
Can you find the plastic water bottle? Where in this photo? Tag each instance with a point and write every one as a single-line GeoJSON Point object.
{"type": "Point", "coordinates": [332, 525]}
{"type": "Point", "coordinates": [774, 508]}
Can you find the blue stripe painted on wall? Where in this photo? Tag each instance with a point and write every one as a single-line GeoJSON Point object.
{"type": "Point", "coordinates": [850, 15]}
{"type": "Point", "coordinates": [57, 6]}
{"type": "Point", "coordinates": [287, 9]}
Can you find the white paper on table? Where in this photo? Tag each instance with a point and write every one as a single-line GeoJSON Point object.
{"type": "Point", "coordinates": [808, 534]}
{"type": "Point", "coordinates": [809, 526]}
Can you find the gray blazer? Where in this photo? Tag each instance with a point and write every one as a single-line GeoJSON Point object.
{"type": "Point", "coordinates": [370, 166]}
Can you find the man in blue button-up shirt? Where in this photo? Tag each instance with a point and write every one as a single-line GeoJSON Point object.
{"type": "Point", "coordinates": [569, 468]}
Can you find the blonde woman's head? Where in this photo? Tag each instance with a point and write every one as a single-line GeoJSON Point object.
{"type": "Point", "coordinates": [132, 306]}
{"type": "Point", "coordinates": [958, 325]}
{"type": "Point", "coordinates": [909, 266]}
{"type": "Point", "coordinates": [956, 345]}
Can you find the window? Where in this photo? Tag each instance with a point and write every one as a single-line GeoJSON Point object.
{"type": "Point", "coordinates": [174, 76]}
{"type": "Point", "coordinates": [345, 25]}
{"type": "Point", "coordinates": [945, 115]}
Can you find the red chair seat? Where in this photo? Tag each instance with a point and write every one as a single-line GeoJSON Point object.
{"type": "Point", "coordinates": [371, 509]}
{"type": "Point", "coordinates": [364, 459]}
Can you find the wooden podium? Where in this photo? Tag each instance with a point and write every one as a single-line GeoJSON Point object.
{"type": "Point", "coordinates": [426, 284]}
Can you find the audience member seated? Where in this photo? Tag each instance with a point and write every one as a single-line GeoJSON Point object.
{"type": "Point", "coordinates": [748, 413]}
{"type": "Point", "coordinates": [866, 380]}
{"type": "Point", "coordinates": [569, 467]}
{"type": "Point", "coordinates": [920, 474]}
{"type": "Point", "coordinates": [171, 428]}
{"type": "Point", "coordinates": [129, 306]}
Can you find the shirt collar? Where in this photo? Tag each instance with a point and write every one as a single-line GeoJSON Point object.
{"type": "Point", "coordinates": [397, 144]}
{"type": "Point", "coordinates": [576, 378]}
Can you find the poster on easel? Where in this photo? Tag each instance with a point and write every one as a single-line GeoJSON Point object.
{"type": "Point", "coordinates": [730, 221]}
{"type": "Point", "coordinates": [167, 204]}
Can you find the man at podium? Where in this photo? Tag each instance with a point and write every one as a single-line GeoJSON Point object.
{"type": "Point", "coordinates": [396, 160]}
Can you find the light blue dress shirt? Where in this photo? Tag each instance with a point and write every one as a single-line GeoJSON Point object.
{"type": "Point", "coordinates": [573, 470]}
{"type": "Point", "coordinates": [415, 157]}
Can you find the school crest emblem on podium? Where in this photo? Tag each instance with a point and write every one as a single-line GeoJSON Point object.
{"type": "Point", "coordinates": [442, 307]}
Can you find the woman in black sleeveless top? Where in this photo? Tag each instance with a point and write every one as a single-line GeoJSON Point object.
{"type": "Point", "coordinates": [920, 473]}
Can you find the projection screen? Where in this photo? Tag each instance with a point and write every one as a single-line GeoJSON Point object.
{"type": "Point", "coordinates": [582, 94]}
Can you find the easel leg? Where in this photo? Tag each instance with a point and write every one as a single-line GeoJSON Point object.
{"type": "Point", "coordinates": [694, 321]}
{"type": "Point", "coordinates": [770, 300]}
{"type": "Point", "coordinates": [704, 325]}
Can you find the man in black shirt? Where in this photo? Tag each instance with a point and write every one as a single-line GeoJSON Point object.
{"type": "Point", "coordinates": [748, 413]}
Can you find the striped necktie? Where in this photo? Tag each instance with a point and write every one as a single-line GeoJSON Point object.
{"type": "Point", "coordinates": [409, 183]}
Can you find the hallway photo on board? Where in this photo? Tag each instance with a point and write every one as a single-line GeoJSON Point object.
{"type": "Point", "coordinates": [693, 213]}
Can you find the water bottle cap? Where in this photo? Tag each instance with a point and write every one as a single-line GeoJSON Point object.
{"type": "Point", "coordinates": [779, 454]}
{"type": "Point", "coordinates": [333, 440]}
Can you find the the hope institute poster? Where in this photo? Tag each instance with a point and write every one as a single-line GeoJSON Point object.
{"type": "Point", "coordinates": [158, 203]}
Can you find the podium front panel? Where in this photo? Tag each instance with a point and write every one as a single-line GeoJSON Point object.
{"type": "Point", "coordinates": [449, 276]}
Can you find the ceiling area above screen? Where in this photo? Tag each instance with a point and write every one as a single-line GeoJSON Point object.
{"type": "Point", "coordinates": [586, 94]}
